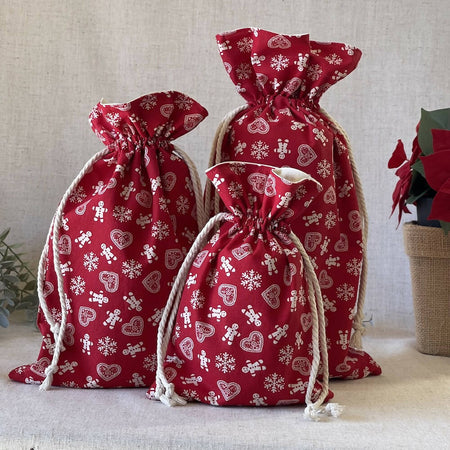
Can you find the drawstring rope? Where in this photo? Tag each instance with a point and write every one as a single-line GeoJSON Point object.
{"type": "Point", "coordinates": [58, 329]}
{"type": "Point", "coordinates": [315, 410]}
{"type": "Point", "coordinates": [358, 327]}
{"type": "Point", "coordinates": [215, 158]}
{"type": "Point", "coordinates": [165, 391]}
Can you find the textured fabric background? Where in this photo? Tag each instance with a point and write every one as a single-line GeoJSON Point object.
{"type": "Point", "coordinates": [59, 58]}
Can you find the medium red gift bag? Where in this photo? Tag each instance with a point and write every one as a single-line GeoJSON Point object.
{"type": "Point", "coordinates": [115, 245]}
{"type": "Point", "coordinates": [244, 322]}
{"type": "Point", "coordinates": [282, 78]}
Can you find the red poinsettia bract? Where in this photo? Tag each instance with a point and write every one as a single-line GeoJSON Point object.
{"type": "Point", "coordinates": [437, 173]}
{"type": "Point", "coordinates": [404, 172]}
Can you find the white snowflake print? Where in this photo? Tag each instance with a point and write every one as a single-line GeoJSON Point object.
{"type": "Point", "coordinates": [300, 192]}
{"type": "Point", "coordinates": [77, 195]}
{"type": "Point", "coordinates": [345, 292]}
{"type": "Point", "coordinates": [150, 363]}
{"type": "Point", "coordinates": [274, 383]}
{"type": "Point", "coordinates": [279, 62]}
{"type": "Point", "coordinates": [285, 354]}
{"type": "Point", "coordinates": [330, 219]}
{"type": "Point", "coordinates": [238, 168]}
{"type": "Point", "coordinates": [113, 119]}
{"type": "Point", "coordinates": [183, 204]}
{"type": "Point", "coordinates": [163, 204]}
{"type": "Point", "coordinates": [225, 362]}
{"type": "Point", "coordinates": [122, 214]}
{"type": "Point", "coordinates": [333, 59]}
{"type": "Point", "coordinates": [259, 150]}
{"type": "Point", "coordinates": [190, 394]}
{"type": "Point", "coordinates": [314, 72]}
{"type": "Point", "coordinates": [354, 267]}
{"type": "Point", "coordinates": [183, 102]}
{"type": "Point", "coordinates": [197, 299]}
{"type": "Point", "coordinates": [212, 278]}
{"type": "Point", "coordinates": [131, 269]}
{"type": "Point", "coordinates": [243, 71]}
{"type": "Point", "coordinates": [56, 315]}
{"type": "Point", "coordinates": [245, 45]}
{"type": "Point", "coordinates": [148, 102]}
{"type": "Point", "coordinates": [324, 168]}
{"type": "Point", "coordinates": [70, 384]}
{"type": "Point", "coordinates": [235, 189]}
{"type": "Point", "coordinates": [90, 261]}
{"type": "Point", "coordinates": [251, 280]}
{"type": "Point", "coordinates": [107, 346]}
{"type": "Point", "coordinates": [160, 230]}
{"type": "Point", "coordinates": [77, 285]}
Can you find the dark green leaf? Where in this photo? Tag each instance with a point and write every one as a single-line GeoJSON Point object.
{"type": "Point", "coordinates": [24, 276]}
{"type": "Point", "coordinates": [31, 285]}
{"type": "Point", "coordinates": [445, 226]}
{"type": "Point", "coordinates": [431, 120]}
{"type": "Point", "coordinates": [32, 298]}
{"type": "Point", "coordinates": [418, 166]}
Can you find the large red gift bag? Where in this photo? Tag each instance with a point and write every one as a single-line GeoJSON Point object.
{"type": "Point", "coordinates": [115, 246]}
{"type": "Point", "coordinates": [282, 78]}
{"type": "Point", "coordinates": [244, 323]}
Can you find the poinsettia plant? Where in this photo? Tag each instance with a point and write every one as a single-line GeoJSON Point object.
{"type": "Point", "coordinates": [427, 172]}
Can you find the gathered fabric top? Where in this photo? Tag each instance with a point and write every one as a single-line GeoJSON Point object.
{"type": "Point", "coordinates": [264, 65]}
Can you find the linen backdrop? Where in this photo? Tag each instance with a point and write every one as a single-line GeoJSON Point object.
{"type": "Point", "coordinates": [59, 58]}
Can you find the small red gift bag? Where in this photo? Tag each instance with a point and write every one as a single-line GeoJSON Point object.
{"type": "Point", "coordinates": [282, 78]}
{"type": "Point", "coordinates": [244, 322]}
{"type": "Point", "coordinates": [115, 245]}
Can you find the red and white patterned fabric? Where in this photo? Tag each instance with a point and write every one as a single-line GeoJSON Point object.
{"type": "Point", "coordinates": [120, 235]}
{"type": "Point", "coordinates": [244, 311]}
{"type": "Point", "coordinates": [282, 78]}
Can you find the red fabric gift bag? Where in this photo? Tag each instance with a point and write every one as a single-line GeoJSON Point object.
{"type": "Point", "coordinates": [282, 78]}
{"type": "Point", "coordinates": [244, 322]}
{"type": "Point", "coordinates": [115, 245]}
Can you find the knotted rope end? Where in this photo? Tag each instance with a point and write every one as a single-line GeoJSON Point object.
{"type": "Point", "coordinates": [316, 413]}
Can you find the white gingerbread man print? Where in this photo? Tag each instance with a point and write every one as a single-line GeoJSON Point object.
{"type": "Point", "coordinates": [100, 210]}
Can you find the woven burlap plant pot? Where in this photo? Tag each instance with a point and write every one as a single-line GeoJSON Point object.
{"type": "Point", "coordinates": [428, 249]}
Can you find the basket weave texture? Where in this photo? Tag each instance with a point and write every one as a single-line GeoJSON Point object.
{"type": "Point", "coordinates": [429, 258]}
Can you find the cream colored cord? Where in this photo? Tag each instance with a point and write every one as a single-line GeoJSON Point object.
{"type": "Point", "coordinates": [358, 327]}
{"type": "Point", "coordinates": [58, 329]}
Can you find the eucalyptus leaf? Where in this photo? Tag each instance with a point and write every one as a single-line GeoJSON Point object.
{"type": "Point", "coordinates": [4, 322]}
{"type": "Point", "coordinates": [11, 279]}
{"type": "Point", "coordinates": [4, 234]}
{"type": "Point", "coordinates": [17, 282]}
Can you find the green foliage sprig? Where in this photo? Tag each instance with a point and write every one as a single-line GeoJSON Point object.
{"type": "Point", "coordinates": [17, 283]}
